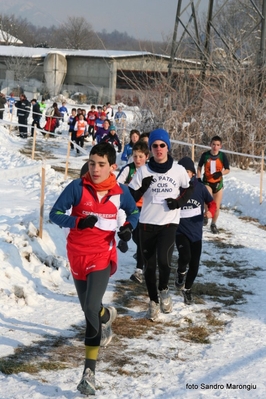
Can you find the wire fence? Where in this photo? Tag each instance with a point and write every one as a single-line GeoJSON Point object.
{"type": "Point", "coordinates": [123, 130]}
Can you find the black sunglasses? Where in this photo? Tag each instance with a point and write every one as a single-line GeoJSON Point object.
{"type": "Point", "coordinates": [162, 145]}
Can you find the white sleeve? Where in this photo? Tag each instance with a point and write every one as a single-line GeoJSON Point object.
{"type": "Point", "coordinates": [123, 175]}
{"type": "Point", "coordinates": [136, 181]}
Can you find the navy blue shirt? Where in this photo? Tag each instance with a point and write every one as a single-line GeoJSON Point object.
{"type": "Point", "coordinates": [192, 226]}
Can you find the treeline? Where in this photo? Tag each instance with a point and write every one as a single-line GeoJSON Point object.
{"type": "Point", "coordinates": [237, 31]}
{"type": "Point", "coordinates": [75, 33]}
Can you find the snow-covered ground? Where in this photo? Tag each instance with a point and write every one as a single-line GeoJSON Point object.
{"type": "Point", "coordinates": [38, 299]}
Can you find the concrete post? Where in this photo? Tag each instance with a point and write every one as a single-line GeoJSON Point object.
{"type": "Point", "coordinates": [112, 81]}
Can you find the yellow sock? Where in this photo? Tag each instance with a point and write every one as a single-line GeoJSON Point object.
{"type": "Point", "coordinates": [91, 352]}
{"type": "Point", "coordinates": [104, 315]}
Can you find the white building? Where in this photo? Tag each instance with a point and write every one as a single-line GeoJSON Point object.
{"type": "Point", "coordinates": [7, 39]}
{"type": "Point", "coordinates": [99, 74]}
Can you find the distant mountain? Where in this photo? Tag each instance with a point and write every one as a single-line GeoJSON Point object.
{"type": "Point", "coordinates": [41, 15]}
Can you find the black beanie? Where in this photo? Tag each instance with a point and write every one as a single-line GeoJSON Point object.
{"type": "Point", "coordinates": [188, 164]}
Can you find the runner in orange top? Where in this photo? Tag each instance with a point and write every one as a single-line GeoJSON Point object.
{"type": "Point", "coordinates": [216, 165]}
{"type": "Point", "coordinates": [81, 130]}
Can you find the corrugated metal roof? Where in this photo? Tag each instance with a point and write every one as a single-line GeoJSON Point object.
{"type": "Point", "coordinates": [42, 52]}
{"type": "Point", "coordinates": [14, 51]}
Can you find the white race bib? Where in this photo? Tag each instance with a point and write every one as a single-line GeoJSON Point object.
{"type": "Point", "coordinates": [157, 199]}
{"type": "Point", "coordinates": [106, 224]}
{"type": "Point", "coordinates": [190, 213]}
{"type": "Point", "coordinates": [213, 167]}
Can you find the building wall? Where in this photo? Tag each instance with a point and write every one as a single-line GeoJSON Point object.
{"type": "Point", "coordinates": [11, 75]}
{"type": "Point", "coordinates": [99, 75]}
{"type": "Point", "coordinates": [96, 76]}
{"type": "Point", "coordinates": [145, 63]}
{"type": "Point", "coordinates": [89, 71]}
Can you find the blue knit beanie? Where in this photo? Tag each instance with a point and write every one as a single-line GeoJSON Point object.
{"type": "Point", "coordinates": [159, 134]}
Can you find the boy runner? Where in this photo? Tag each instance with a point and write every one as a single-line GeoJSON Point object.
{"type": "Point", "coordinates": [140, 157]}
{"type": "Point", "coordinates": [189, 231]}
{"type": "Point", "coordinates": [216, 166]}
{"type": "Point", "coordinates": [71, 123]}
{"type": "Point", "coordinates": [159, 182]}
{"type": "Point", "coordinates": [95, 199]}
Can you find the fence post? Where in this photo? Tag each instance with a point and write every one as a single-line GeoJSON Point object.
{"type": "Point", "coordinates": [33, 142]}
{"type": "Point", "coordinates": [11, 115]}
{"type": "Point", "coordinates": [123, 124]}
{"type": "Point", "coordinates": [193, 150]}
{"type": "Point", "coordinates": [68, 154]}
{"type": "Point", "coordinates": [261, 174]}
{"type": "Point", "coordinates": [42, 202]}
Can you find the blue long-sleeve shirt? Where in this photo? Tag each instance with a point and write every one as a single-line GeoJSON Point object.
{"type": "Point", "coordinates": [63, 110]}
{"type": "Point", "coordinates": [128, 150]}
{"type": "Point", "coordinates": [71, 197]}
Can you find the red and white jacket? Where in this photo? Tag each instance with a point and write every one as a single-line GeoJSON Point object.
{"type": "Point", "coordinates": [83, 199]}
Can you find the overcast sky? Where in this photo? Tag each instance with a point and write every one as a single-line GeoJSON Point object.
{"type": "Point", "coordinates": [142, 19]}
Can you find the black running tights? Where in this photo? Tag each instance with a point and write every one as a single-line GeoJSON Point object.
{"type": "Point", "coordinates": [189, 255]}
{"type": "Point", "coordinates": [90, 293]}
{"type": "Point", "coordinates": [157, 245]}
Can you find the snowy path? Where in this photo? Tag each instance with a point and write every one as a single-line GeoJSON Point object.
{"type": "Point", "coordinates": [38, 303]}
{"type": "Point", "coordinates": [234, 355]}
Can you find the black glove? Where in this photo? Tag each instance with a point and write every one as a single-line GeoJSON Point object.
{"type": "Point", "coordinates": [122, 245]}
{"type": "Point", "coordinates": [146, 182]}
{"type": "Point", "coordinates": [172, 203]}
{"type": "Point", "coordinates": [217, 175]}
{"type": "Point", "coordinates": [137, 194]}
{"type": "Point", "coordinates": [125, 232]}
{"type": "Point", "coordinates": [87, 222]}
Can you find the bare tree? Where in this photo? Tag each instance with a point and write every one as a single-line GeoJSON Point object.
{"type": "Point", "coordinates": [227, 103]}
{"type": "Point", "coordinates": [76, 33]}
{"type": "Point", "coordinates": [14, 29]}
{"type": "Point", "coordinates": [23, 68]}
{"type": "Point", "coordinates": [235, 27]}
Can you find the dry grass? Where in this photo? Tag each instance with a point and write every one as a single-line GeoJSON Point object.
{"type": "Point", "coordinates": [53, 353]}
{"type": "Point", "coordinates": [131, 328]}
{"type": "Point", "coordinates": [129, 295]}
{"type": "Point", "coordinates": [197, 334]}
{"type": "Point", "coordinates": [212, 320]}
{"type": "Point", "coordinates": [228, 295]}
{"type": "Point", "coordinates": [255, 221]}
{"type": "Point", "coordinates": [249, 219]}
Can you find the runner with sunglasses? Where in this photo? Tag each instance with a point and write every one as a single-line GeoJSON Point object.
{"type": "Point", "coordinates": [158, 182]}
